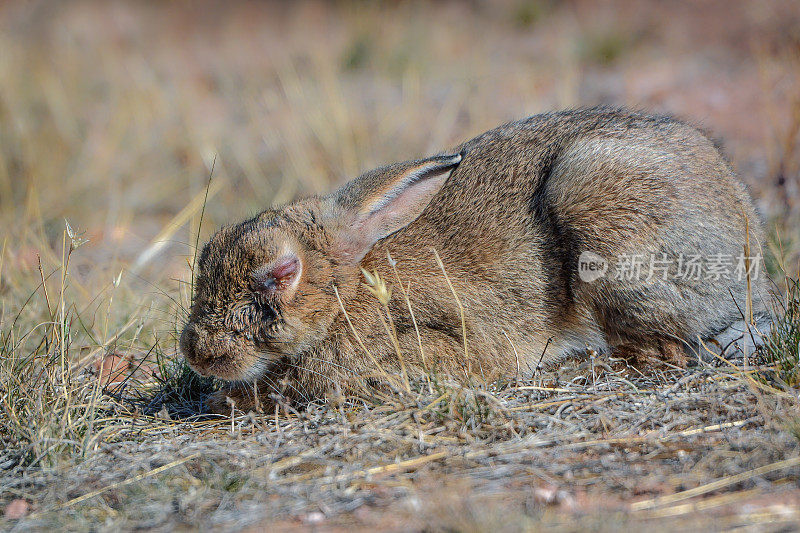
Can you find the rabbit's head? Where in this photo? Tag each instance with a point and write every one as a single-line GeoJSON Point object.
{"type": "Point", "coordinates": [266, 289]}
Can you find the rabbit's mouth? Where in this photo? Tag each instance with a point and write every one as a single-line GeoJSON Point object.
{"type": "Point", "coordinates": [268, 358]}
{"type": "Point", "coordinates": [230, 368]}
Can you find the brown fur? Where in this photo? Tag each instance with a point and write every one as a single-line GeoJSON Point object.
{"type": "Point", "coordinates": [520, 204]}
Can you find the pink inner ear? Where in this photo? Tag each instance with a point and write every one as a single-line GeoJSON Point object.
{"type": "Point", "coordinates": [284, 271]}
{"type": "Point", "coordinates": [397, 212]}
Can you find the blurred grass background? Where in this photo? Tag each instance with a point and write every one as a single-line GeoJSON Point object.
{"type": "Point", "coordinates": [112, 115]}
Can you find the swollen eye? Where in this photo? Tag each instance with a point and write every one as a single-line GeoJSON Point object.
{"type": "Point", "coordinates": [284, 272]}
{"type": "Point", "coordinates": [276, 277]}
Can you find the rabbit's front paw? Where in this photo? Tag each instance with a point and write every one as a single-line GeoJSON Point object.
{"type": "Point", "coordinates": [658, 354]}
{"type": "Point", "coordinates": [239, 398]}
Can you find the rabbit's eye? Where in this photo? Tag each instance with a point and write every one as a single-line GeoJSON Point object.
{"type": "Point", "coordinates": [277, 277]}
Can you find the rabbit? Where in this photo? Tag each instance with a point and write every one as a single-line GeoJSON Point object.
{"type": "Point", "coordinates": [479, 250]}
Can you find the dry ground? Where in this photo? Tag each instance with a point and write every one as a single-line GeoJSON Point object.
{"type": "Point", "coordinates": [111, 116]}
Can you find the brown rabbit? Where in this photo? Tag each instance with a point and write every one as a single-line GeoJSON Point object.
{"type": "Point", "coordinates": [535, 224]}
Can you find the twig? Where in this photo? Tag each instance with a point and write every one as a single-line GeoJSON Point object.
{"type": "Point", "coordinates": [128, 481]}
{"type": "Point", "coordinates": [715, 485]}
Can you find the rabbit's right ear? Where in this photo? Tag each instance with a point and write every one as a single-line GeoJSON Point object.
{"type": "Point", "coordinates": [385, 200]}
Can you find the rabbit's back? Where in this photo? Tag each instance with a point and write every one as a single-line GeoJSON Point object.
{"type": "Point", "coordinates": [530, 197]}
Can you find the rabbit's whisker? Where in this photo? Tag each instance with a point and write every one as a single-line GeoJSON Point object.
{"type": "Point", "coordinates": [330, 363]}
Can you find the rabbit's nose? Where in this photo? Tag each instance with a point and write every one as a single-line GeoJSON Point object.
{"type": "Point", "coordinates": [188, 343]}
{"type": "Point", "coordinates": [193, 343]}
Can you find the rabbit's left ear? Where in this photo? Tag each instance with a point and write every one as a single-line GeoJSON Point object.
{"type": "Point", "coordinates": [385, 200]}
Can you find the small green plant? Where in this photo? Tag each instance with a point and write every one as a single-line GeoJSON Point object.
{"type": "Point", "coordinates": [180, 390]}
{"type": "Point", "coordinates": [48, 409]}
{"type": "Point", "coordinates": [782, 347]}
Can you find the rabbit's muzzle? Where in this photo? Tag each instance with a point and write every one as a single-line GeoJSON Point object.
{"type": "Point", "coordinates": [220, 354]}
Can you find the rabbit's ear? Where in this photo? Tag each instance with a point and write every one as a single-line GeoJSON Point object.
{"type": "Point", "coordinates": [387, 199]}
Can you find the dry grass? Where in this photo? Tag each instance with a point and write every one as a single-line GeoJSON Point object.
{"type": "Point", "coordinates": [111, 116]}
